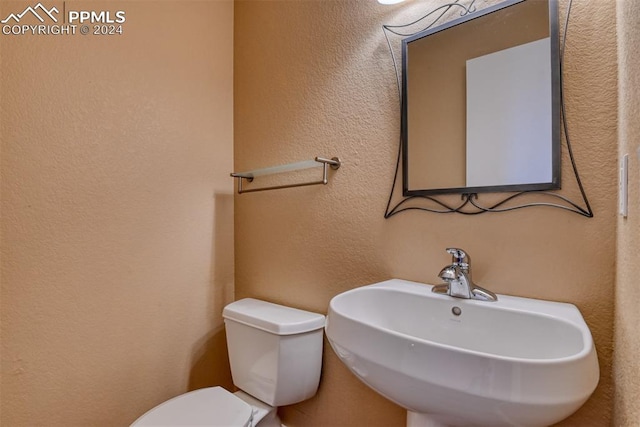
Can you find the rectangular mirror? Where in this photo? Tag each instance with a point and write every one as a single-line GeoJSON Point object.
{"type": "Point", "coordinates": [481, 102]}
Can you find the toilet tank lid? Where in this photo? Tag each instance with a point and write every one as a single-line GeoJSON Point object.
{"type": "Point", "coordinates": [274, 318]}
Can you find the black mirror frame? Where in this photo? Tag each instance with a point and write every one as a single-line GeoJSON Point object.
{"type": "Point", "coordinates": [555, 106]}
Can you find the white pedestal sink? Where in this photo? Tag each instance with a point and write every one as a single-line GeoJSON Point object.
{"type": "Point", "coordinates": [458, 362]}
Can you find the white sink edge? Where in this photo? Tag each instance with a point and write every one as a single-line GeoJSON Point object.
{"type": "Point", "coordinates": [565, 312]}
{"type": "Point", "coordinates": [575, 399]}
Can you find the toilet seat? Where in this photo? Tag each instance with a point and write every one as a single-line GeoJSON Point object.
{"type": "Point", "coordinates": [213, 406]}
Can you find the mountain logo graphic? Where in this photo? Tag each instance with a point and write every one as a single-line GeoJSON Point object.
{"type": "Point", "coordinates": [34, 11]}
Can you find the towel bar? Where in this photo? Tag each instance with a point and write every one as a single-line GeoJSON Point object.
{"type": "Point", "coordinates": [334, 163]}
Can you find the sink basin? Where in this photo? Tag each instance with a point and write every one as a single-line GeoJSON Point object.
{"type": "Point", "coordinates": [459, 362]}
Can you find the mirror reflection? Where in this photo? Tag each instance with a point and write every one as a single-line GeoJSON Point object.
{"type": "Point", "coordinates": [481, 102]}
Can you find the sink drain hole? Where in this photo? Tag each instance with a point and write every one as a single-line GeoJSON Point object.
{"type": "Point", "coordinates": [457, 311]}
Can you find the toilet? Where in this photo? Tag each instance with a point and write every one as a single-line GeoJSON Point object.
{"type": "Point", "coordinates": [275, 354]}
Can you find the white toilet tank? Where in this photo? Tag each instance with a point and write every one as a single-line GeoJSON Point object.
{"type": "Point", "coordinates": [275, 351]}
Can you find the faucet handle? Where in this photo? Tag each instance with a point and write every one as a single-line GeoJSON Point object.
{"type": "Point", "coordinates": [458, 256]}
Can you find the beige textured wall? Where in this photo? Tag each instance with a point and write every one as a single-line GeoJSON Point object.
{"type": "Point", "coordinates": [117, 213]}
{"type": "Point", "coordinates": [627, 321]}
{"type": "Point", "coordinates": [315, 78]}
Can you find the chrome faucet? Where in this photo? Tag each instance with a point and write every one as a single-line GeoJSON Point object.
{"type": "Point", "coordinates": [458, 279]}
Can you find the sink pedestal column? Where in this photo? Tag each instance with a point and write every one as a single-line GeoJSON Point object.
{"type": "Point", "coordinates": [415, 419]}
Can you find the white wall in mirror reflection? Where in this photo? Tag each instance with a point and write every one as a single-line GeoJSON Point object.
{"type": "Point", "coordinates": [509, 99]}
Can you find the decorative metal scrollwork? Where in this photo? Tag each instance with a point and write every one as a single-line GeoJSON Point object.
{"type": "Point", "coordinates": [469, 203]}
